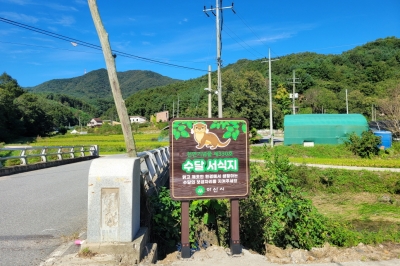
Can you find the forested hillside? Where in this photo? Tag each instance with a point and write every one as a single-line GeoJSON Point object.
{"type": "Point", "coordinates": [370, 74]}
{"type": "Point", "coordinates": [25, 114]}
{"type": "Point", "coordinates": [95, 84]}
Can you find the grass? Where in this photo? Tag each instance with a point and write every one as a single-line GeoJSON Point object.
{"type": "Point", "coordinates": [333, 155]}
{"type": "Point", "coordinates": [145, 140]}
{"type": "Point", "coordinates": [86, 253]}
{"type": "Point", "coordinates": [108, 144]}
{"type": "Point", "coordinates": [343, 195]}
{"type": "Point", "coordinates": [368, 201]}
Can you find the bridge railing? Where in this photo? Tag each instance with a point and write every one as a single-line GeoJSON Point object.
{"type": "Point", "coordinates": [154, 167]}
{"type": "Point", "coordinates": [154, 164]}
{"type": "Point", "coordinates": [48, 153]}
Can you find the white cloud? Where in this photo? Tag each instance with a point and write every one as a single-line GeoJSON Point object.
{"type": "Point", "coordinates": [19, 17]}
{"type": "Point", "coordinates": [18, 2]}
{"type": "Point", "coordinates": [52, 28]}
{"type": "Point", "coordinates": [149, 34]}
{"type": "Point", "coordinates": [81, 2]}
{"type": "Point", "coordinates": [183, 21]}
{"type": "Point", "coordinates": [34, 63]}
{"type": "Point", "coordinates": [61, 7]}
{"type": "Point", "coordinates": [65, 21]}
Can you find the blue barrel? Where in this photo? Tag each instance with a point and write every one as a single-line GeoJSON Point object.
{"type": "Point", "coordinates": [386, 138]}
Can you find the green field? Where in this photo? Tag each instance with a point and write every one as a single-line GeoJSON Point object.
{"type": "Point", "coordinates": [333, 155]}
{"type": "Point", "coordinates": [108, 144]}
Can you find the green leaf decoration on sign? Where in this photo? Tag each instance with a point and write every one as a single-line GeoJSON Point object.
{"type": "Point", "coordinates": [230, 129]}
{"type": "Point", "coordinates": [227, 134]}
{"type": "Point", "coordinates": [177, 134]}
{"type": "Point", "coordinates": [244, 128]}
{"type": "Point", "coordinates": [185, 134]}
{"type": "Point", "coordinates": [235, 134]}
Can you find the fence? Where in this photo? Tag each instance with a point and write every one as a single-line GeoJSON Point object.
{"type": "Point", "coordinates": [47, 152]}
{"type": "Point", "coordinates": [154, 164]}
{"type": "Point", "coordinates": [154, 167]}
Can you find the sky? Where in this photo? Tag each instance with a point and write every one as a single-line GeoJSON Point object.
{"type": "Point", "coordinates": [176, 38]}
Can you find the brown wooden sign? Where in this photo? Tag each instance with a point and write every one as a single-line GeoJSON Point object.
{"type": "Point", "coordinates": [209, 158]}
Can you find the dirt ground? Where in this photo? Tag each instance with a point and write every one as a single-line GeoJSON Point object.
{"type": "Point", "coordinates": [387, 254]}
{"type": "Point", "coordinates": [327, 254]}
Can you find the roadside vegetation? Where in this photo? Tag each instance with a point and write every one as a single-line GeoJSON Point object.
{"type": "Point", "coordinates": [291, 206]}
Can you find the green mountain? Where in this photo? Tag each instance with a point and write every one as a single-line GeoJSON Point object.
{"type": "Point", "coordinates": [364, 76]}
{"type": "Point", "coordinates": [95, 84]}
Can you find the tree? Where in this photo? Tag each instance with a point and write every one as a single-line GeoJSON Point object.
{"type": "Point", "coordinates": [321, 100]}
{"type": "Point", "coordinates": [245, 95]}
{"type": "Point", "coordinates": [390, 109]}
{"type": "Point", "coordinates": [282, 99]}
{"type": "Point", "coordinates": [36, 121]}
{"type": "Point", "coordinates": [10, 124]}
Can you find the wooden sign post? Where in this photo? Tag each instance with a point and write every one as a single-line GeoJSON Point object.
{"type": "Point", "coordinates": [209, 160]}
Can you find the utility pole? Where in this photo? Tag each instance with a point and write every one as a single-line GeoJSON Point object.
{"type": "Point", "coordinates": [271, 126]}
{"type": "Point", "coordinates": [294, 90]}
{"type": "Point", "coordinates": [217, 10]}
{"type": "Point", "coordinates": [209, 92]}
{"type": "Point", "coordinates": [347, 104]}
{"type": "Point", "coordinates": [112, 76]}
{"type": "Point", "coordinates": [177, 112]}
{"type": "Point", "coordinates": [173, 109]}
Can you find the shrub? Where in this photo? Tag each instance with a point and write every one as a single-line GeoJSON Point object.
{"type": "Point", "coordinates": [203, 214]}
{"type": "Point", "coordinates": [254, 137]}
{"type": "Point", "coordinates": [276, 213]}
{"type": "Point", "coordinates": [365, 146]}
{"type": "Point", "coordinates": [62, 130]}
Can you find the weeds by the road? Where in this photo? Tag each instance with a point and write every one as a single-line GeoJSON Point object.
{"type": "Point", "coordinates": [86, 253]}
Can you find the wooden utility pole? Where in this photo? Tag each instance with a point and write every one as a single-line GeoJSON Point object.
{"type": "Point", "coordinates": [112, 76]}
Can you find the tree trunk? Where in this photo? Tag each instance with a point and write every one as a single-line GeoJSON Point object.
{"type": "Point", "coordinates": [112, 76]}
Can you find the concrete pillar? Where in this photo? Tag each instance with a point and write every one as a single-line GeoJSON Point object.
{"type": "Point", "coordinates": [113, 200]}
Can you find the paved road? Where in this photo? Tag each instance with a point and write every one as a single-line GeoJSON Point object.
{"type": "Point", "coordinates": [39, 208]}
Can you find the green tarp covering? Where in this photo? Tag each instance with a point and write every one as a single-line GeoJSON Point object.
{"type": "Point", "coordinates": [322, 128]}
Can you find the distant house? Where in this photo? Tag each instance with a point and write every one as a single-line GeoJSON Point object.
{"type": "Point", "coordinates": [137, 119]}
{"type": "Point", "coordinates": [74, 132]}
{"type": "Point", "coordinates": [162, 116]}
{"type": "Point", "coordinates": [95, 122]}
{"type": "Point", "coordinates": [111, 122]}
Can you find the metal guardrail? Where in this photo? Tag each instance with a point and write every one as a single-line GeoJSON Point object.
{"type": "Point", "coordinates": [46, 151]}
{"type": "Point", "coordinates": [154, 166]}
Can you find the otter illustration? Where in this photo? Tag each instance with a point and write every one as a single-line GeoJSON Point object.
{"type": "Point", "coordinates": [203, 137]}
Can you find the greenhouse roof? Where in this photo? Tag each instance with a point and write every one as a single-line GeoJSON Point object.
{"type": "Point", "coordinates": [325, 119]}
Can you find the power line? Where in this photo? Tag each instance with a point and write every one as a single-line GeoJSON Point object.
{"type": "Point", "coordinates": [92, 46]}
{"type": "Point", "coordinates": [243, 42]}
{"type": "Point", "coordinates": [49, 47]}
